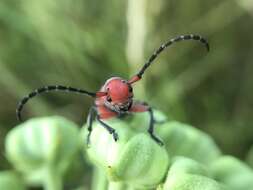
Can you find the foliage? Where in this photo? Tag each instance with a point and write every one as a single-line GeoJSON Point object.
{"type": "Point", "coordinates": [11, 180]}
{"type": "Point", "coordinates": [82, 43]}
{"type": "Point", "coordinates": [42, 150]}
{"type": "Point", "coordinates": [250, 157]}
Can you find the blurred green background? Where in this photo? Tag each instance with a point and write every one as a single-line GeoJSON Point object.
{"type": "Point", "coordinates": [81, 43]}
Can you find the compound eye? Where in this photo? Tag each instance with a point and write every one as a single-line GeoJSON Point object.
{"type": "Point", "coordinates": [109, 99]}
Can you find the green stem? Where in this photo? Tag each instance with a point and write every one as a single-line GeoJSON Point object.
{"type": "Point", "coordinates": [136, 34]}
{"type": "Point", "coordinates": [116, 186]}
{"type": "Point", "coordinates": [133, 188]}
{"type": "Point", "coordinates": [99, 180]}
{"type": "Point", "coordinates": [53, 181]}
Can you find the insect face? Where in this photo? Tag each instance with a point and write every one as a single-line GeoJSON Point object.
{"type": "Point", "coordinates": [119, 94]}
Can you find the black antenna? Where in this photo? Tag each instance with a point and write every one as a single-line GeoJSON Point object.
{"type": "Point", "coordinates": [167, 44]}
{"type": "Point", "coordinates": [48, 89]}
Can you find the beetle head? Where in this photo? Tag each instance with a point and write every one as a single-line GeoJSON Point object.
{"type": "Point", "coordinates": [119, 94]}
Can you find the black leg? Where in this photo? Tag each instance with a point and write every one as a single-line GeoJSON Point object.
{"type": "Point", "coordinates": [151, 127]}
{"type": "Point", "coordinates": [109, 129]}
{"type": "Point", "coordinates": [91, 115]}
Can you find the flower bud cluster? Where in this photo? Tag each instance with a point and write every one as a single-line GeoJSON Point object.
{"type": "Point", "coordinates": [42, 150]}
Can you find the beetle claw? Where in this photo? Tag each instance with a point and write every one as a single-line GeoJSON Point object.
{"type": "Point", "coordinates": [156, 139]}
{"type": "Point", "coordinates": [115, 136]}
{"type": "Point", "coordinates": [88, 140]}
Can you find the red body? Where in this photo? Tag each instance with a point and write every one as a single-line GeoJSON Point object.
{"type": "Point", "coordinates": [118, 99]}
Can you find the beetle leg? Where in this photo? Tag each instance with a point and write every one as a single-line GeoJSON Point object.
{"type": "Point", "coordinates": [143, 107]}
{"type": "Point", "coordinates": [92, 113]}
{"type": "Point", "coordinates": [151, 127]}
{"type": "Point", "coordinates": [108, 128]}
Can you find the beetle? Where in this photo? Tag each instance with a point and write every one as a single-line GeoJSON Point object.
{"type": "Point", "coordinates": [115, 98]}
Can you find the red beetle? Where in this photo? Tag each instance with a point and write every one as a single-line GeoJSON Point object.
{"type": "Point", "coordinates": [115, 98]}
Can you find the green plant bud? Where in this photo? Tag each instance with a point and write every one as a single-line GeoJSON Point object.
{"type": "Point", "coordinates": [142, 162]}
{"type": "Point", "coordinates": [184, 140]}
{"type": "Point", "coordinates": [11, 181]}
{"type": "Point", "coordinates": [103, 151]}
{"type": "Point", "coordinates": [140, 121]}
{"type": "Point", "coordinates": [188, 174]}
{"type": "Point", "coordinates": [233, 172]}
{"type": "Point", "coordinates": [186, 165]}
{"type": "Point", "coordinates": [181, 181]}
{"type": "Point", "coordinates": [42, 148]}
{"type": "Point", "coordinates": [135, 158]}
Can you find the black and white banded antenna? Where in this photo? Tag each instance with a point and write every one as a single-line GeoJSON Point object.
{"type": "Point", "coordinates": [169, 43]}
{"type": "Point", "coordinates": [49, 89]}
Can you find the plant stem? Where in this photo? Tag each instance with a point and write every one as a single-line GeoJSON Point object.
{"type": "Point", "coordinates": [136, 34]}
{"type": "Point", "coordinates": [99, 180]}
{"type": "Point", "coordinates": [116, 186]}
{"type": "Point", "coordinates": [53, 181]}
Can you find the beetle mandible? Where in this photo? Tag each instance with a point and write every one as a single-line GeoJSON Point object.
{"type": "Point", "coordinates": [115, 98]}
